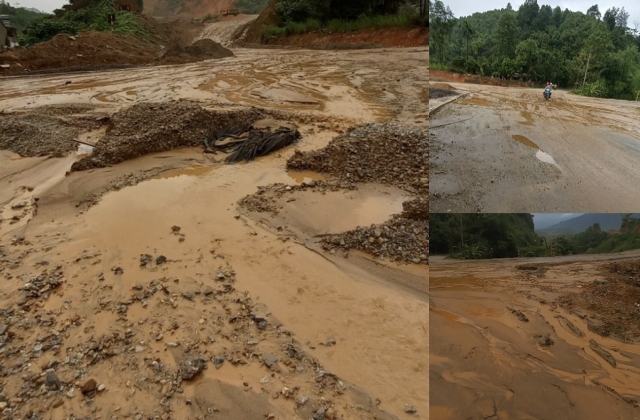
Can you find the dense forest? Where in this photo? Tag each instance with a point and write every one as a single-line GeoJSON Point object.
{"type": "Point", "coordinates": [596, 241]}
{"type": "Point", "coordinates": [20, 17]}
{"type": "Point", "coordinates": [80, 15]}
{"type": "Point", "coordinates": [298, 16]}
{"type": "Point", "coordinates": [594, 53]}
{"type": "Point", "coordinates": [251, 6]}
{"type": "Point", "coordinates": [475, 236]}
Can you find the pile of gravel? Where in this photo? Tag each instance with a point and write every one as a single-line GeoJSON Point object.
{"type": "Point", "coordinates": [150, 128]}
{"type": "Point", "coordinates": [404, 238]}
{"type": "Point", "coordinates": [47, 130]}
{"type": "Point", "coordinates": [390, 154]}
{"type": "Point", "coordinates": [266, 198]}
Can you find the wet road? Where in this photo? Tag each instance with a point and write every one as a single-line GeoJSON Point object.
{"type": "Point", "coordinates": [507, 150]}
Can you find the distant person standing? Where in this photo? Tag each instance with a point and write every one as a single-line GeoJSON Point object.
{"type": "Point", "coordinates": [553, 249]}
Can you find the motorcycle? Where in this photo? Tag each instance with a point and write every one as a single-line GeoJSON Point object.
{"type": "Point", "coordinates": [547, 94]}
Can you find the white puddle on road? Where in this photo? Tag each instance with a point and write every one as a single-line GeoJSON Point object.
{"type": "Point", "coordinates": [546, 158]}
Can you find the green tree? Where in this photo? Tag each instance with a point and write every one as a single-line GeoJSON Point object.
{"type": "Point", "coordinates": [506, 36]}
{"type": "Point", "coordinates": [594, 11]}
{"type": "Point", "coordinates": [441, 21]}
{"type": "Point", "coordinates": [467, 33]}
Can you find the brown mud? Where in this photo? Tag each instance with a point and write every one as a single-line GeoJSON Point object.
{"type": "Point", "coordinates": [508, 334]}
{"type": "Point", "coordinates": [136, 288]}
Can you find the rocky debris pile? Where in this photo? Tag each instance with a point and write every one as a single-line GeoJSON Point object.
{"type": "Point", "coordinates": [247, 142]}
{"type": "Point", "coordinates": [403, 238]}
{"type": "Point", "coordinates": [44, 284]}
{"type": "Point", "coordinates": [390, 154]}
{"type": "Point", "coordinates": [157, 127]}
{"type": "Point", "coordinates": [266, 198]}
{"type": "Point", "coordinates": [398, 239]}
{"type": "Point", "coordinates": [416, 209]}
{"type": "Point", "coordinates": [48, 130]}
{"type": "Point", "coordinates": [610, 304]}
{"type": "Point", "coordinates": [203, 49]}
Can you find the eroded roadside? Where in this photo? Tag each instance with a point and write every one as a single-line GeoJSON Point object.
{"type": "Point", "coordinates": [135, 270]}
{"type": "Point", "coordinates": [507, 334]}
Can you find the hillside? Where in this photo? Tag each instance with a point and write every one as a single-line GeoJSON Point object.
{"type": "Point", "coordinates": [607, 221]}
{"type": "Point", "coordinates": [21, 17]}
{"type": "Point", "coordinates": [199, 8]}
{"type": "Point", "coordinates": [483, 235]}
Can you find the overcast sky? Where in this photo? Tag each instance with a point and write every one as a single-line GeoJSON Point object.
{"type": "Point", "coordinates": [44, 5]}
{"type": "Point", "coordinates": [462, 8]}
{"type": "Point", "coordinates": [545, 220]}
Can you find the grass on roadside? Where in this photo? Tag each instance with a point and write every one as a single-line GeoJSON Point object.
{"type": "Point", "coordinates": [340, 26]}
{"type": "Point", "coordinates": [438, 66]}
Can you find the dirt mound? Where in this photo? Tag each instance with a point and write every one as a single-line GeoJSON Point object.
{"type": "Point", "coordinates": [266, 18]}
{"type": "Point", "coordinates": [91, 49]}
{"type": "Point", "coordinates": [169, 42]}
{"type": "Point", "coordinates": [148, 128]}
{"type": "Point", "coordinates": [49, 130]}
{"type": "Point", "coordinates": [204, 49]}
{"type": "Point", "coordinates": [390, 154]}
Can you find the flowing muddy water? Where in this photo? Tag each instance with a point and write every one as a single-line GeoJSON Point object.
{"type": "Point", "coordinates": [580, 153]}
{"type": "Point", "coordinates": [364, 321]}
{"type": "Point", "coordinates": [501, 346]}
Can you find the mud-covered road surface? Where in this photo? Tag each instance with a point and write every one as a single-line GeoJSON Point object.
{"type": "Point", "coordinates": [509, 339]}
{"type": "Point", "coordinates": [120, 282]}
{"type": "Point", "coordinates": [501, 149]}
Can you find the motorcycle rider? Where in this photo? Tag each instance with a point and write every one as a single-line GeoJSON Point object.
{"type": "Point", "coordinates": [547, 88]}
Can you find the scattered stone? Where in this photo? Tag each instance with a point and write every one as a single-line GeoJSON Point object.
{"type": "Point", "coordinates": [270, 360]}
{"type": "Point", "coordinates": [320, 414]}
{"type": "Point", "coordinates": [161, 260]}
{"type": "Point", "coordinates": [191, 366]}
{"type": "Point", "coordinates": [218, 362]}
{"type": "Point", "coordinates": [89, 387]}
{"type": "Point", "coordinates": [410, 409]}
{"type": "Point", "coordinates": [330, 341]}
{"type": "Point", "coordinates": [101, 387]}
{"type": "Point", "coordinates": [145, 260]}
{"type": "Point", "coordinates": [52, 383]}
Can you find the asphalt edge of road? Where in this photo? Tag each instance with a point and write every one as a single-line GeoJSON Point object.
{"type": "Point", "coordinates": [447, 102]}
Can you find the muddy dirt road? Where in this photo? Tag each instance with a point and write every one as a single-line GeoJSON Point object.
{"type": "Point", "coordinates": [135, 275]}
{"type": "Point", "coordinates": [507, 150]}
{"type": "Point", "coordinates": [509, 341]}
{"type": "Point", "coordinates": [223, 32]}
